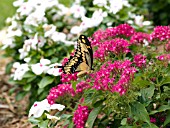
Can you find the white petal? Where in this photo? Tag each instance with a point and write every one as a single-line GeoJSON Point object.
{"type": "Point", "coordinates": [16, 64]}
{"type": "Point", "coordinates": [57, 106]}
{"type": "Point", "coordinates": [52, 117]}
{"type": "Point", "coordinates": [45, 61]}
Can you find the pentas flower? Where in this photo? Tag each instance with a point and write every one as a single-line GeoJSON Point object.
{"type": "Point", "coordinates": [121, 30]}
{"type": "Point", "coordinates": [140, 60]}
{"type": "Point", "coordinates": [80, 116]}
{"type": "Point", "coordinates": [66, 89]}
{"type": "Point", "coordinates": [164, 57]}
{"type": "Point", "coordinates": [116, 46]}
{"type": "Point", "coordinates": [161, 33]}
{"type": "Point", "coordinates": [152, 120]}
{"type": "Point", "coordinates": [58, 91]}
{"type": "Point", "coordinates": [107, 77]}
{"type": "Point", "coordinates": [80, 87]}
{"type": "Point", "coordinates": [125, 30]}
{"type": "Point", "coordinates": [68, 77]}
{"type": "Point", "coordinates": [139, 38]}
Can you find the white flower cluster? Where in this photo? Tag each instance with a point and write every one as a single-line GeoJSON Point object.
{"type": "Point", "coordinates": [44, 66]}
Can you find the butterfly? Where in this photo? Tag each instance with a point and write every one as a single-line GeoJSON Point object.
{"type": "Point", "coordinates": [82, 60]}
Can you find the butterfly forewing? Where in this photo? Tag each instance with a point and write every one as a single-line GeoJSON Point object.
{"type": "Point", "coordinates": [83, 58]}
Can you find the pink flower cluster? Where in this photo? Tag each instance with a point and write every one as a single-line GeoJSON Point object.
{"type": "Point", "coordinates": [114, 77]}
{"type": "Point", "coordinates": [139, 38]}
{"type": "Point", "coordinates": [80, 116]}
{"type": "Point", "coordinates": [66, 78]}
{"type": "Point", "coordinates": [63, 89]}
{"type": "Point", "coordinates": [116, 46]}
{"type": "Point", "coordinates": [118, 31]}
{"type": "Point", "coordinates": [161, 33]}
{"type": "Point", "coordinates": [140, 60]}
{"type": "Point", "coordinates": [164, 57]}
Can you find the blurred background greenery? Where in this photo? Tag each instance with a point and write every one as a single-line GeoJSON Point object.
{"type": "Point", "coordinates": [157, 10]}
{"type": "Point", "coordinates": [7, 10]}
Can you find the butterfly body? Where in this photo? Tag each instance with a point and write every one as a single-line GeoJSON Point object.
{"type": "Point", "coordinates": [82, 60]}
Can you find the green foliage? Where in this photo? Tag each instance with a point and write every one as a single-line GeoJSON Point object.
{"type": "Point", "coordinates": [7, 10]}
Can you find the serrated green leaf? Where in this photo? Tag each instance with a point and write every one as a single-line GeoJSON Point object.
{"type": "Point", "coordinates": [45, 81]}
{"type": "Point", "coordinates": [92, 116]}
{"type": "Point", "coordinates": [27, 87]}
{"type": "Point", "coordinates": [161, 109]}
{"type": "Point", "coordinates": [146, 95]}
{"type": "Point", "coordinates": [140, 112]}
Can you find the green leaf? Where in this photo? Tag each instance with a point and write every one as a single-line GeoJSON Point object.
{"type": "Point", "coordinates": [166, 80]}
{"type": "Point", "coordinates": [8, 68]}
{"type": "Point", "coordinates": [126, 127]}
{"type": "Point", "coordinates": [43, 124]}
{"type": "Point", "coordinates": [161, 109]}
{"type": "Point", "coordinates": [33, 120]}
{"type": "Point", "coordinates": [123, 121]}
{"type": "Point", "coordinates": [27, 87]}
{"type": "Point", "coordinates": [140, 112]}
{"type": "Point", "coordinates": [20, 95]}
{"type": "Point", "coordinates": [74, 83]}
{"type": "Point", "coordinates": [92, 116]}
{"type": "Point", "coordinates": [146, 95]}
{"type": "Point", "coordinates": [45, 81]}
{"type": "Point", "coordinates": [28, 75]}
{"type": "Point", "coordinates": [167, 121]}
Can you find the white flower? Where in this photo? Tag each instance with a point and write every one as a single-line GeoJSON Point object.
{"type": "Point", "coordinates": [18, 3]}
{"type": "Point", "coordinates": [38, 108]}
{"type": "Point", "coordinates": [27, 59]}
{"type": "Point", "coordinates": [41, 67]}
{"type": "Point", "coordinates": [34, 43]}
{"type": "Point", "coordinates": [63, 10]}
{"type": "Point", "coordinates": [49, 29]}
{"type": "Point", "coordinates": [94, 21]}
{"type": "Point", "coordinates": [23, 53]}
{"type": "Point", "coordinates": [37, 17]}
{"type": "Point", "coordinates": [54, 71]}
{"type": "Point", "coordinates": [76, 30]}
{"type": "Point", "coordinates": [100, 3]}
{"type": "Point", "coordinates": [20, 70]}
{"type": "Point", "coordinates": [98, 16]}
{"type": "Point", "coordinates": [146, 23]}
{"type": "Point", "coordinates": [139, 20]}
{"type": "Point", "coordinates": [117, 5]}
{"type": "Point", "coordinates": [77, 11]}
{"type": "Point", "coordinates": [58, 36]}
{"type": "Point", "coordinates": [25, 8]}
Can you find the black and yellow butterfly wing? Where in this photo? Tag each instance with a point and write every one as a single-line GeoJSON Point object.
{"type": "Point", "coordinates": [82, 60]}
